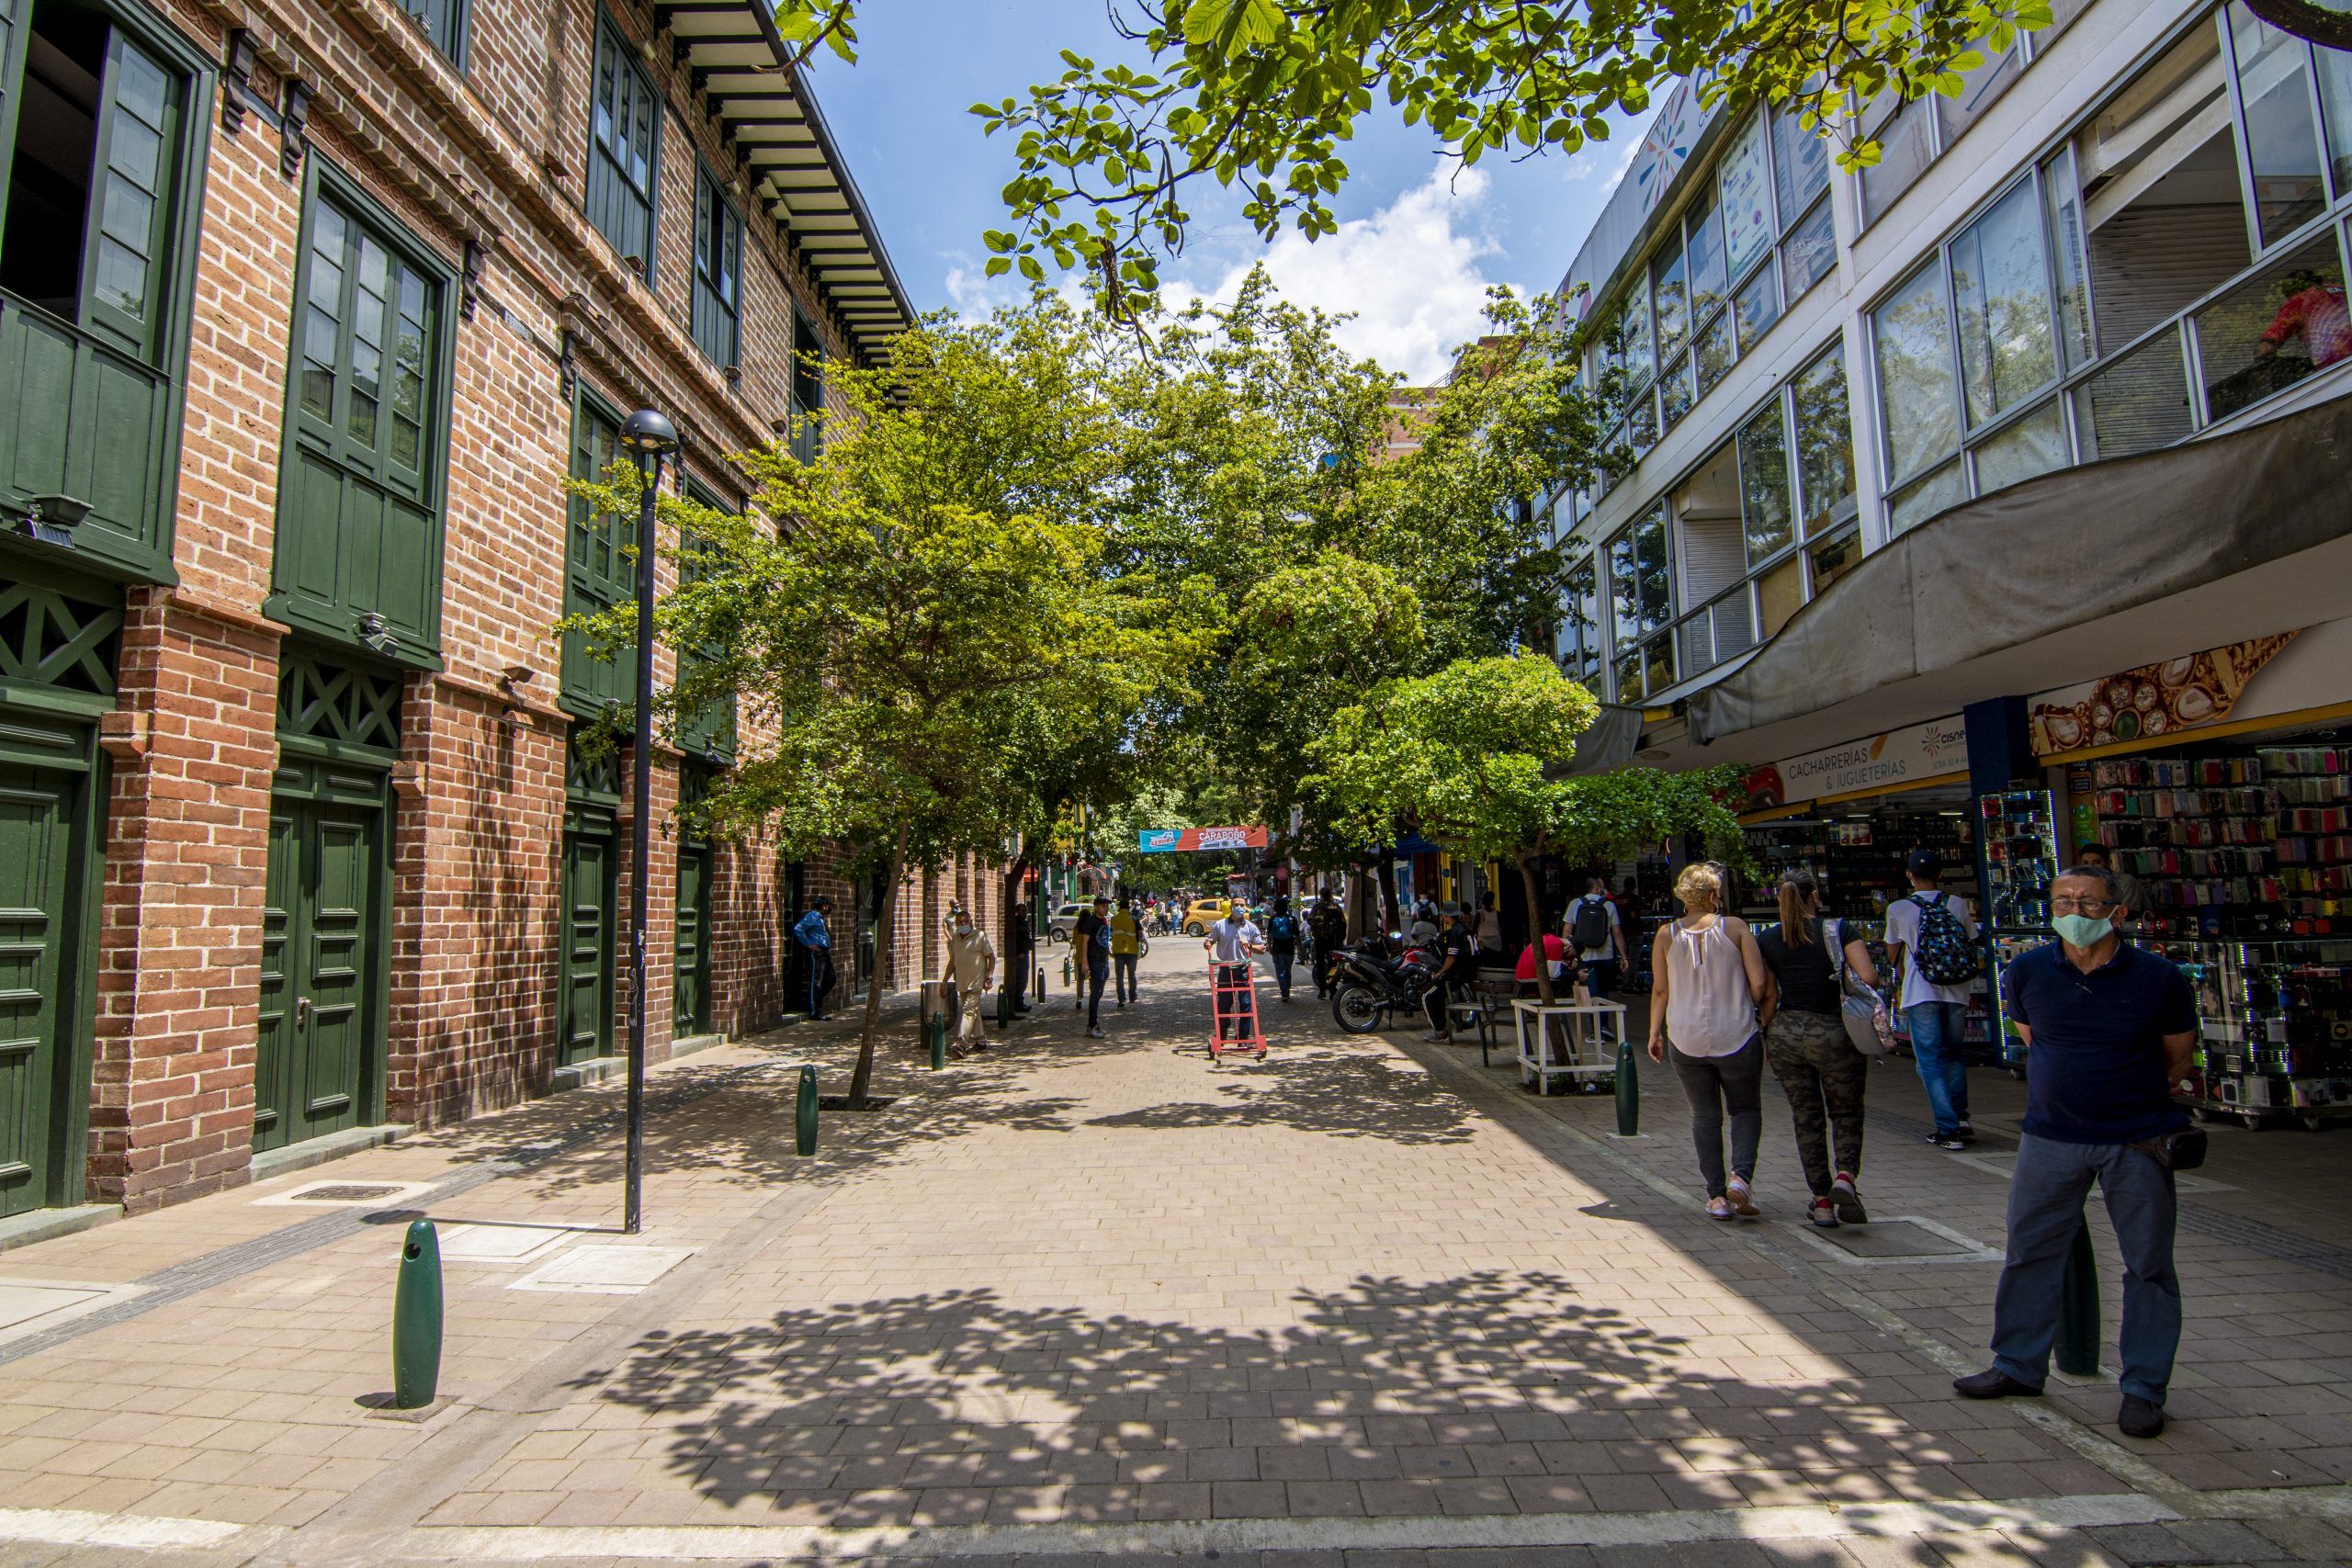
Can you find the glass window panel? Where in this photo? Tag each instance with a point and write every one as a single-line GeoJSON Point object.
{"type": "Point", "coordinates": [2065, 209]}
{"type": "Point", "coordinates": [2273, 330]}
{"type": "Point", "coordinates": [1979, 88]}
{"type": "Point", "coordinates": [1667, 282]}
{"type": "Point", "coordinates": [1917, 407]}
{"type": "Point", "coordinates": [2282, 145]}
{"type": "Point", "coordinates": [1758, 307]}
{"type": "Point", "coordinates": [1832, 558]}
{"type": "Point", "coordinates": [1779, 593]}
{"type": "Point", "coordinates": [1939, 491]}
{"type": "Point", "coordinates": [1655, 566]}
{"type": "Point", "coordinates": [1633, 338]}
{"type": "Point", "coordinates": [1641, 424]}
{"type": "Point", "coordinates": [1905, 153]}
{"type": "Point", "coordinates": [1709, 281]}
{"type": "Point", "coordinates": [135, 152]}
{"type": "Point", "coordinates": [1764, 510]}
{"type": "Point", "coordinates": [1824, 433]}
{"type": "Point", "coordinates": [2136, 403]}
{"type": "Point", "coordinates": [2336, 107]}
{"type": "Point", "coordinates": [1628, 670]}
{"type": "Point", "coordinates": [121, 277]}
{"type": "Point", "coordinates": [142, 87]}
{"type": "Point", "coordinates": [1714, 353]}
{"type": "Point", "coordinates": [2032, 447]}
{"type": "Point", "coordinates": [1746, 188]}
{"type": "Point", "coordinates": [1809, 252]}
{"type": "Point", "coordinates": [1674, 392]}
{"type": "Point", "coordinates": [1657, 665]}
{"type": "Point", "coordinates": [2001, 286]}
{"type": "Point", "coordinates": [1799, 164]}
{"type": "Point", "coordinates": [1624, 589]}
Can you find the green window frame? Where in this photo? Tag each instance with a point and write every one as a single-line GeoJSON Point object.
{"type": "Point", "coordinates": [624, 150]}
{"type": "Point", "coordinates": [445, 23]}
{"type": "Point", "coordinates": [364, 472]}
{"type": "Point", "coordinates": [600, 568]}
{"type": "Point", "coordinates": [807, 384]}
{"type": "Point", "coordinates": [717, 273]}
{"type": "Point", "coordinates": [710, 732]}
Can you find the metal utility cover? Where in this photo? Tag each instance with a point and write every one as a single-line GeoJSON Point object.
{"type": "Point", "coordinates": [1903, 1239]}
{"type": "Point", "coordinates": [500, 1244]}
{"type": "Point", "coordinates": [348, 1194]}
{"type": "Point", "coordinates": [602, 1269]}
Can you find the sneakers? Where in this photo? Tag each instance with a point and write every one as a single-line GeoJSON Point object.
{"type": "Point", "coordinates": [1720, 1209]}
{"type": "Point", "coordinates": [1992, 1383]}
{"type": "Point", "coordinates": [2139, 1417]}
{"type": "Point", "coordinates": [1849, 1202]}
{"type": "Point", "coordinates": [1946, 1141]}
{"type": "Point", "coordinates": [1095, 1034]}
{"type": "Point", "coordinates": [1437, 1039]}
{"type": "Point", "coordinates": [1822, 1213]}
{"type": "Point", "coordinates": [1742, 1201]}
{"type": "Point", "coordinates": [1965, 1133]}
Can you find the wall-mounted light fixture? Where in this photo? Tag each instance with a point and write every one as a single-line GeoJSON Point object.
{"type": "Point", "coordinates": [51, 519]}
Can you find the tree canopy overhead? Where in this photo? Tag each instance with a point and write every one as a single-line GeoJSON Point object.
{"type": "Point", "coordinates": [1260, 97]}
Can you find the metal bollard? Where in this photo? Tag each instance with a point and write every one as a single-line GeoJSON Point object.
{"type": "Point", "coordinates": [1004, 1005]}
{"type": "Point", "coordinates": [937, 1029]}
{"type": "Point", "coordinates": [1040, 992]}
{"type": "Point", "coordinates": [1629, 1092]}
{"type": "Point", "coordinates": [2077, 1348]}
{"type": "Point", "coordinates": [804, 1114]}
{"type": "Point", "coordinates": [417, 1319]}
{"type": "Point", "coordinates": [1068, 969]}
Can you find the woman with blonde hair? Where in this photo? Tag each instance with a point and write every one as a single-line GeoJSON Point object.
{"type": "Point", "coordinates": [1710, 976]}
{"type": "Point", "coordinates": [1806, 1045]}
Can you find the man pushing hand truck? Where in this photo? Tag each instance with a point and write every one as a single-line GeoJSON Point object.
{"type": "Point", "coordinates": [1232, 982]}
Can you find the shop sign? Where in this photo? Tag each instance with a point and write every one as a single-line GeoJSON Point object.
{"type": "Point", "coordinates": [1931, 751]}
{"type": "Point", "coordinates": [1157, 840]}
{"type": "Point", "coordinates": [2154, 700]}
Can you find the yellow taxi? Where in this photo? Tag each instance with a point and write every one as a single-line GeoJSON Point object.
{"type": "Point", "coordinates": [1203, 913]}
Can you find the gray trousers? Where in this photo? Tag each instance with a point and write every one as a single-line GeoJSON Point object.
{"type": "Point", "coordinates": [1717, 1085]}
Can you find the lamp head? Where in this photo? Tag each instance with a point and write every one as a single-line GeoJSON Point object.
{"type": "Point", "coordinates": [648, 435]}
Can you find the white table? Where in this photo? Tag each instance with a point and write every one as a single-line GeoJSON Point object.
{"type": "Point", "coordinates": [1574, 1039]}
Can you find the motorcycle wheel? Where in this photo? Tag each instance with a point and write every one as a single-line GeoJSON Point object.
{"type": "Point", "coordinates": [1357, 1010]}
{"type": "Point", "coordinates": [1143, 945]}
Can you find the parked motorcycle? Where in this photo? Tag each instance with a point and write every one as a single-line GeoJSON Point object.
{"type": "Point", "coordinates": [1372, 984]}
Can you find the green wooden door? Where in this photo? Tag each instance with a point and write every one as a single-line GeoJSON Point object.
{"type": "Point", "coordinates": [37, 926]}
{"type": "Point", "coordinates": [692, 971]}
{"type": "Point", "coordinates": [590, 884]}
{"type": "Point", "coordinates": [321, 953]}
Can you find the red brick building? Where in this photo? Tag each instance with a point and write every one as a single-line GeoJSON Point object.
{"type": "Point", "coordinates": [306, 312]}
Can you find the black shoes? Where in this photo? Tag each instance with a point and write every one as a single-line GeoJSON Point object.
{"type": "Point", "coordinates": [2140, 1418]}
{"type": "Point", "coordinates": [1994, 1383]}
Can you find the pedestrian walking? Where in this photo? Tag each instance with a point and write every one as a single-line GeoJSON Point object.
{"type": "Point", "coordinates": [1023, 956]}
{"type": "Point", "coordinates": [967, 973]}
{"type": "Point", "coordinates": [1932, 943]}
{"type": "Point", "coordinates": [1455, 973]}
{"type": "Point", "coordinates": [2110, 1030]}
{"type": "Point", "coordinates": [1328, 923]}
{"type": "Point", "coordinates": [1710, 975]}
{"type": "Point", "coordinates": [1598, 932]}
{"type": "Point", "coordinates": [1281, 943]}
{"type": "Point", "coordinates": [1089, 940]}
{"type": "Point", "coordinates": [1489, 930]}
{"type": "Point", "coordinates": [1229, 944]}
{"type": "Point", "coordinates": [1126, 946]}
{"type": "Point", "coordinates": [1806, 1045]}
{"type": "Point", "coordinates": [816, 939]}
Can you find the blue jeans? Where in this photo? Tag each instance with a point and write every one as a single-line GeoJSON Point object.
{"type": "Point", "coordinates": [1941, 1048]}
{"type": "Point", "coordinates": [1098, 975]}
{"type": "Point", "coordinates": [2045, 1206]}
{"type": "Point", "coordinates": [1282, 971]}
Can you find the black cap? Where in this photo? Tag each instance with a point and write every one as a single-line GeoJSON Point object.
{"type": "Point", "coordinates": [1926, 864]}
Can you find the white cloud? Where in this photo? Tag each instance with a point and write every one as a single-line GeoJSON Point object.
{"type": "Point", "coordinates": [1412, 275]}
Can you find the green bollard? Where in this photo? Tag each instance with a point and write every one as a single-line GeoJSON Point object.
{"type": "Point", "coordinates": [937, 1029]}
{"type": "Point", "coordinates": [1004, 1005]}
{"type": "Point", "coordinates": [804, 1114]}
{"type": "Point", "coordinates": [1629, 1092]}
{"type": "Point", "coordinates": [2077, 1348]}
{"type": "Point", "coordinates": [417, 1319]}
{"type": "Point", "coordinates": [1066, 970]}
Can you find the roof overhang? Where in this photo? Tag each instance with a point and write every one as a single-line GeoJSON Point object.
{"type": "Point", "coordinates": [793, 167]}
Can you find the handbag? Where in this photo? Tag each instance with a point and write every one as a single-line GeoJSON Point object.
{"type": "Point", "coordinates": [1869, 1025]}
{"type": "Point", "coordinates": [2175, 1151]}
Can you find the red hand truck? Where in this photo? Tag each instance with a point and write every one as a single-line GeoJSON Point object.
{"type": "Point", "coordinates": [1234, 999]}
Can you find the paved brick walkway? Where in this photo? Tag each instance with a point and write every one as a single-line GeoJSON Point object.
{"type": "Point", "coordinates": [1363, 1303]}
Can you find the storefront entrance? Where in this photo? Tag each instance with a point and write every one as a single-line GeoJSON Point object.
{"type": "Point", "coordinates": [319, 1040]}
{"type": "Point", "coordinates": [590, 887]}
{"type": "Point", "coordinates": [691, 976]}
{"type": "Point", "coordinates": [42, 888]}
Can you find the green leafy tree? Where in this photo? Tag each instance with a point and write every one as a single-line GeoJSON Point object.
{"type": "Point", "coordinates": [934, 592]}
{"type": "Point", "coordinates": [1260, 97]}
{"type": "Point", "coordinates": [1473, 753]}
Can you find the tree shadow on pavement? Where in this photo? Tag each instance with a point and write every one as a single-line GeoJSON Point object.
{"type": "Point", "coordinates": [1348, 1096]}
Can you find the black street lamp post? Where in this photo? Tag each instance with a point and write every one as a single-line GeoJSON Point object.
{"type": "Point", "coordinates": [650, 438]}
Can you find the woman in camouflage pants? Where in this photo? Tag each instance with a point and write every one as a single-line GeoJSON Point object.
{"type": "Point", "coordinates": [1805, 1041]}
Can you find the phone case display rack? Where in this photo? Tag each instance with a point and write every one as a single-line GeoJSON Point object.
{"type": "Point", "coordinates": [2252, 848]}
{"type": "Point", "coordinates": [2274, 1026]}
{"type": "Point", "coordinates": [2020, 838]}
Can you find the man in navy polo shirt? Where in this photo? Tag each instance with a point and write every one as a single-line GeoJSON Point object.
{"type": "Point", "coordinates": [2108, 1030]}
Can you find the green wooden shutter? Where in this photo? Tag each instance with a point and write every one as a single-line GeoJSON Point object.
{"type": "Point", "coordinates": [131, 198]}
{"type": "Point", "coordinates": [11, 68]}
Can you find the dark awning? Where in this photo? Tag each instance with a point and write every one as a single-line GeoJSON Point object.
{"type": "Point", "coordinates": [1610, 744]}
{"type": "Point", "coordinates": [2058, 552]}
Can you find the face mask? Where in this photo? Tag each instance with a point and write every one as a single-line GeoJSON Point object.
{"type": "Point", "coordinates": [2083, 931]}
{"type": "Point", "coordinates": [963, 927]}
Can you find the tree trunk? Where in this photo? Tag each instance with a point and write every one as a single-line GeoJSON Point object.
{"type": "Point", "coordinates": [886, 944]}
{"type": "Point", "coordinates": [1012, 875]}
{"type": "Point", "coordinates": [1535, 928]}
{"type": "Point", "coordinates": [1393, 916]}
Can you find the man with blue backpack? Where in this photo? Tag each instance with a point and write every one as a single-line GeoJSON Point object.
{"type": "Point", "coordinates": [816, 939]}
{"type": "Point", "coordinates": [1282, 942]}
{"type": "Point", "coordinates": [1931, 941]}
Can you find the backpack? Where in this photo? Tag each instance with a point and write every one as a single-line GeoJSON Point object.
{"type": "Point", "coordinates": [1590, 928]}
{"type": "Point", "coordinates": [1943, 955]}
{"type": "Point", "coordinates": [1282, 927]}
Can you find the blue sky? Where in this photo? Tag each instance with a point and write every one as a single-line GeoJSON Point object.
{"type": "Point", "coordinates": [1418, 246]}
